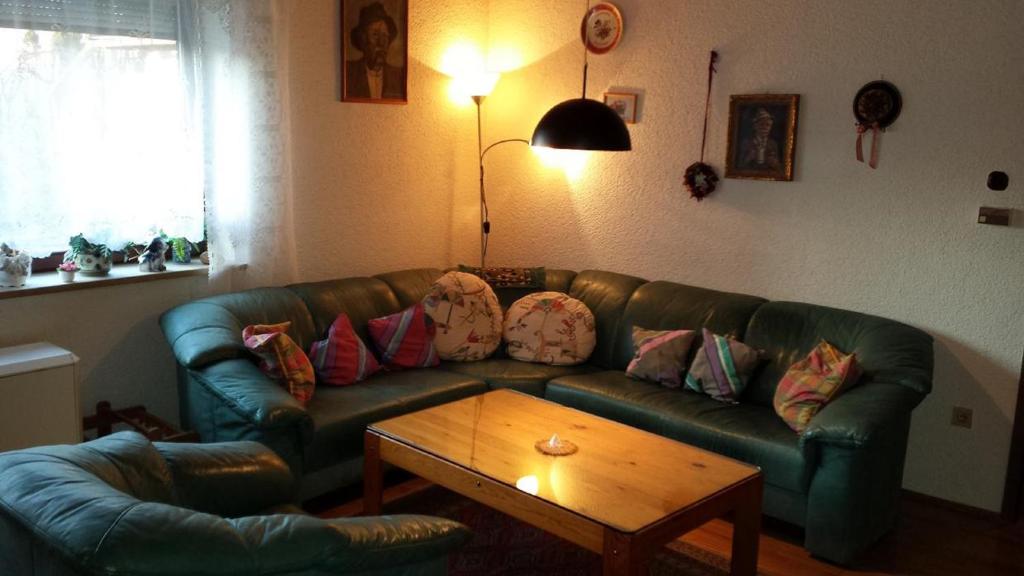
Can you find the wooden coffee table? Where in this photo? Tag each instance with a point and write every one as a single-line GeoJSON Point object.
{"type": "Point", "coordinates": [624, 494]}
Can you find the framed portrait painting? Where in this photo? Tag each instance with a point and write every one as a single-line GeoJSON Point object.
{"type": "Point", "coordinates": [374, 51]}
{"type": "Point", "coordinates": [762, 136]}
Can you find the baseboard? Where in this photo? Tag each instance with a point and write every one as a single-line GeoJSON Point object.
{"type": "Point", "coordinates": [974, 511]}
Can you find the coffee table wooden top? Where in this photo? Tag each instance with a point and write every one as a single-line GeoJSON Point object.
{"type": "Point", "coordinates": [621, 477]}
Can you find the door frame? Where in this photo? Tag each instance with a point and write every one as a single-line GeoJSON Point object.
{"type": "Point", "coordinates": [1013, 492]}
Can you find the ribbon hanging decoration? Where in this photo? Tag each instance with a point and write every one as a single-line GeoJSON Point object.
{"type": "Point", "coordinates": [700, 179]}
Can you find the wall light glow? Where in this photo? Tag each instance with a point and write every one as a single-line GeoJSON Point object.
{"type": "Point", "coordinates": [465, 63]}
{"type": "Point", "coordinates": [571, 162]}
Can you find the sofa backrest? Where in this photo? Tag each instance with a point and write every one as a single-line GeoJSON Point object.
{"type": "Point", "coordinates": [210, 330]}
{"type": "Point", "coordinates": [662, 305]}
{"type": "Point", "coordinates": [361, 299]}
{"type": "Point", "coordinates": [888, 351]}
{"type": "Point", "coordinates": [410, 286]}
{"type": "Point", "coordinates": [606, 294]}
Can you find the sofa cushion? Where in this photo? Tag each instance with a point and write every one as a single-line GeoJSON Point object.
{"type": "Point", "coordinates": [527, 377]}
{"type": "Point", "coordinates": [887, 351]}
{"type": "Point", "coordinates": [750, 433]}
{"type": "Point", "coordinates": [813, 382]}
{"type": "Point", "coordinates": [664, 305]}
{"type": "Point", "coordinates": [660, 355]}
{"type": "Point", "coordinates": [359, 298]}
{"type": "Point", "coordinates": [340, 415]}
{"type": "Point", "coordinates": [281, 359]}
{"type": "Point", "coordinates": [550, 328]}
{"type": "Point", "coordinates": [405, 339]}
{"type": "Point", "coordinates": [466, 315]}
{"type": "Point", "coordinates": [342, 358]}
{"type": "Point", "coordinates": [722, 367]}
{"type": "Point", "coordinates": [410, 286]}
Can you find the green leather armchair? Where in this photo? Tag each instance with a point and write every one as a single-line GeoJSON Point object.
{"type": "Point", "coordinates": [123, 505]}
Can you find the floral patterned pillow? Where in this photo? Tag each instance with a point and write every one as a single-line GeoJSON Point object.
{"type": "Point", "coordinates": [550, 328]}
{"type": "Point", "coordinates": [466, 315]}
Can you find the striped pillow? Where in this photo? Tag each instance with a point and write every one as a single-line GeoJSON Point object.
{"type": "Point", "coordinates": [812, 382]}
{"type": "Point", "coordinates": [660, 355]}
{"type": "Point", "coordinates": [722, 367]}
{"type": "Point", "coordinates": [281, 359]}
{"type": "Point", "coordinates": [342, 358]}
{"type": "Point", "coordinates": [405, 339]}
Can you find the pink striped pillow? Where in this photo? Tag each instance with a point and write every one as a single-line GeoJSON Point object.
{"type": "Point", "coordinates": [660, 355]}
{"type": "Point", "coordinates": [405, 339]}
{"type": "Point", "coordinates": [342, 358]}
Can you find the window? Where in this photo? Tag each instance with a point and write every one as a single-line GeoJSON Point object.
{"type": "Point", "coordinates": [95, 133]}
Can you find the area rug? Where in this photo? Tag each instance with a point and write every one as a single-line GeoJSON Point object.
{"type": "Point", "coordinates": [504, 546]}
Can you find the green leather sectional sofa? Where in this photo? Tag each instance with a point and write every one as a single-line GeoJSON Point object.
{"type": "Point", "coordinates": [840, 479]}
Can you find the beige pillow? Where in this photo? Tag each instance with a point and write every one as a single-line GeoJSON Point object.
{"type": "Point", "coordinates": [467, 316]}
{"type": "Point", "coordinates": [550, 328]}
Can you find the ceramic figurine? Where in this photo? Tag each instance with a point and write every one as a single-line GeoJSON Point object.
{"type": "Point", "coordinates": [15, 267]}
{"type": "Point", "coordinates": [152, 260]}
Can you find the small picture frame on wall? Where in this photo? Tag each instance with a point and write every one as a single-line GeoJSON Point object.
{"type": "Point", "coordinates": [762, 136]}
{"type": "Point", "coordinates": [624, 104]}
{"type": "Point", "coordinates": [374, 51]}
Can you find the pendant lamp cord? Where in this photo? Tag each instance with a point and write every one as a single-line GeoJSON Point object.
{"type": "Point", "coordinates": [586, 14]}
{"type": "Point", "coordinates": [707, 102]}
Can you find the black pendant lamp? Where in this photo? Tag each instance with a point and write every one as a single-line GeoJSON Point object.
{"type": "Point", "coordinates": [582, 124]}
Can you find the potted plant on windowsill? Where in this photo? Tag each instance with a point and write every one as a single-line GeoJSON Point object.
{"type": "Point", "coordinates": [15, 267]}
{"type": "Point", "coordinates": [67, 271]}
{"type": "Point", "coordinates": [91, 259]}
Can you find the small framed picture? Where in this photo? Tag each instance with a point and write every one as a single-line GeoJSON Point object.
{"type": "Point", "coordinates": [624, 103]}
{"type": "Point", "coordinates": [374, 51]}
{"type": "Point", "coordinates": [762, 136]}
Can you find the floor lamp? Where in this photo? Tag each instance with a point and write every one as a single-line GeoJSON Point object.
{"type": "Point", "coordinates": [484, 88]}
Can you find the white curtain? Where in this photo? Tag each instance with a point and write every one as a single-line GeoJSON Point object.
{"type": "Point", "coordinates": [93, 126]}
{"type": "Point", "coordinates": [239, 53]}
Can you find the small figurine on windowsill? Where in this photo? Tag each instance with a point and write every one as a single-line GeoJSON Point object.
{"type": "Point", "coordinates": [154, 257]}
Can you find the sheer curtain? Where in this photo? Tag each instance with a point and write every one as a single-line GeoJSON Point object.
{"type": "Point", "coordinates": [94, 133]}
{"type": "Point", "coordinates": [238, 54]}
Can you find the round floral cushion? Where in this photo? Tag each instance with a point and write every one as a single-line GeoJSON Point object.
{"type": "Point", "coordinates": [550, 328]}
{"type": "Point", "coordinates": [467, 316]}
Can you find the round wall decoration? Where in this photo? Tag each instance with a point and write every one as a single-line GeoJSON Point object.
{"type": "Point", "coordinates": [601, 28]}
{"type": "Point", "coordinates": [877, 102]}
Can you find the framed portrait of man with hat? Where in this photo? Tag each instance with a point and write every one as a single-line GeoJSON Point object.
{"type": "Point", "coordinates": [374, 51]}
{"type": "Point", "coordinates": [762, 136]}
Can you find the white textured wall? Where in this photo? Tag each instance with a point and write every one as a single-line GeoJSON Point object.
{"type": "Point", "coordinates": [900, 241]}
{"type": "Point", "coordinates": [377, 185]}
{"type": "Point", "coordinates": [115, 332]}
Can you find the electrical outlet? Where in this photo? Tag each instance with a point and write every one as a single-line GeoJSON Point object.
{"type": "Point", "coordinates": [962, 417]}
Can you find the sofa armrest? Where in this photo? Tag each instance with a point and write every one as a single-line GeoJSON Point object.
{"type": "Point", "coordinates": [242, 388]}
{"type": "Point", "coordinates": [859, 417]}
{"type": "Point", "coordinates": [148, 539]}
{"type": "Point", "coordinates": [228, 478]}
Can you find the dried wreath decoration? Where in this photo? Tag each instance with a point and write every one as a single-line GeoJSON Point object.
{"type": "Point", "coordinates": [700, 180]}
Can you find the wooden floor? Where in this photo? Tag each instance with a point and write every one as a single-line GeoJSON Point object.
{"type": "Point", "coordinates": [932, 539]}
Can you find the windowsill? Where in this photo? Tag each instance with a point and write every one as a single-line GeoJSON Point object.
{"type": "Point", "coordinates": [49, 282]}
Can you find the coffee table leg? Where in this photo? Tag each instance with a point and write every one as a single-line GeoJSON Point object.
{"type": "Point", "coordinates": [747, 529]}
{"type": "Point", "coordinates": [373, 472]}
{"type": "Point", "coordinates": [620, 556]}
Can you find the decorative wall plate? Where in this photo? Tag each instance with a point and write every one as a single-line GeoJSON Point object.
{"type": "Point", "coordinates": [601, 28]}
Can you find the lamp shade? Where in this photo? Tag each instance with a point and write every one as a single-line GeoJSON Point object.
{"type": "Point", "coordinates": [582, 124]}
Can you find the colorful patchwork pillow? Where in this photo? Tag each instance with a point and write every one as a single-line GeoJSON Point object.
{"type": "Point", "coordinates": [660, 355]}
{"type": "Point", "coordinates": [813, 382]}
{"type": "Point", "coordinates": [281, 359]}
{"type": "Point", "coordinates": [405, 339]}
{"type": "Point", "coordinates": [509, 277]}
{"type": "Point", "coordinates": [550, 328]}
{"type": "Point", "coordinates": [722, 367]}
{"type": "Point", "coordinates": [467, 317]}
{"type": "Point", "coordinates": [342, 358]}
